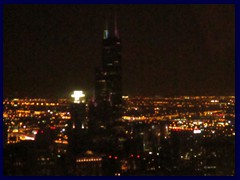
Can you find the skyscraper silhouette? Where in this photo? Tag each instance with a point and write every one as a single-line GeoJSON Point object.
{"type": "Point", "coordinates": [108, 79]}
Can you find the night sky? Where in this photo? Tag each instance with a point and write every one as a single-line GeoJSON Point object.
{"type": "Point", "coordinates": [51, 50]}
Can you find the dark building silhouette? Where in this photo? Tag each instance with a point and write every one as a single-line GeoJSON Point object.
{"type": "Point", "coordinates": [76, 132]}
{"type": "Point", "coordinates": [5, 134]}
{"type": "Point", "coordinates": [78, 113]}
{"type": "Point", "coordinates": [108, 79]}
{"type": "Point", "coordinates": [77, 129]}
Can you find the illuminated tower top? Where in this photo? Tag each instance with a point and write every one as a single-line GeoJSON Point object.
{"type": "Point", "coordinates": [78, 97]}
{"type": "Point", "coordinates": [113, 33]}
{"type": "Point", "coordinates": [106, 32]}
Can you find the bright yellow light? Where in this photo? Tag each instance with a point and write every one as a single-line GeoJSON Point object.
{"type": "Point", "coordinates": [77, 95]}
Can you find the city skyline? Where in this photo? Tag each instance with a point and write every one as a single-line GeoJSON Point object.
{"type": "Point", "coordinates": [168, 50]}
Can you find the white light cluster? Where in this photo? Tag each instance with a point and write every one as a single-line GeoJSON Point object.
{"type": "Point", "coordinates": [197, 131]}
{"type": "Point", "coordinates": [77, 95]}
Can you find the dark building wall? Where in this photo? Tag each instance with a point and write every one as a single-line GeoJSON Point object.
{"type": "Point", "coordinates": [108, 79]}
{"type": "Point", "coordinates": [78, 116]}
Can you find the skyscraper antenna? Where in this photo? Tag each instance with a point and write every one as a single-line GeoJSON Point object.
{"type": "Point", "coordinates": [106, 24]}
{"type": "Point", "coordinates": [106, 32]}
{"type": "Point", "coordinates": [116, 34]}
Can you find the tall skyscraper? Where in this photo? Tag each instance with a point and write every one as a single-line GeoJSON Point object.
{"type": "Point", "coordinates": [108, 80]}
{"type": "Point", "coordinates": [77, 126]}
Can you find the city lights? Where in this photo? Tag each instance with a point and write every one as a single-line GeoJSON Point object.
{"type": "Point", "coordinates": [196, 131]}
{"type": "Point", "coordinates": [210, 123]}
{"type": "Point", "coordinates": [77, 95]}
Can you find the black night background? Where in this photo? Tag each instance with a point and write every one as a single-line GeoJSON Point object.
{"type": "Point", "coordinates": [172, 49]}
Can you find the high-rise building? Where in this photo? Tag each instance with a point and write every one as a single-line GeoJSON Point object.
{"type": "Point", "coordinates": [78, 111]}
{"type": "Point", "coordinates": [78, 123]}
{"type": "Point", "coordinates": [108, 79]}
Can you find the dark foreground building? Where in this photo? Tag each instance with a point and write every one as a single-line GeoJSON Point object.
{"type": "Point", "coordinates": [108, 79]}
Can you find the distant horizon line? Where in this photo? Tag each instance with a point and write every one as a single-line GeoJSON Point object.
{"type": "Point", "coordinates": [124, 96]}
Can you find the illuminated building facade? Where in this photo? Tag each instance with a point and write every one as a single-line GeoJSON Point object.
{"type": "Point", "coordinates": [89, 164]}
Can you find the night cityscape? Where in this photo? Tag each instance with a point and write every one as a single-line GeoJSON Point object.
{"type": "Point", "coordinates": [119, 90]}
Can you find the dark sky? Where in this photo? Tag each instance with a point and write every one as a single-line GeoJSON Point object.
{"type": "Point", "coordinates": [50, 50]}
